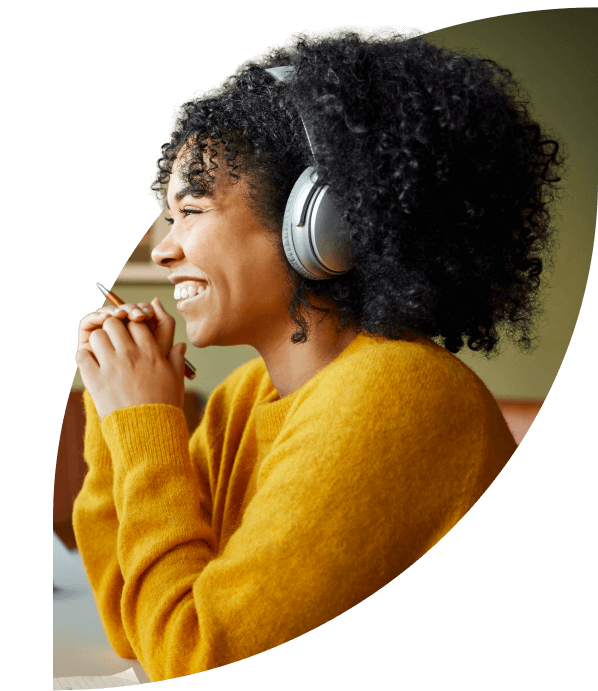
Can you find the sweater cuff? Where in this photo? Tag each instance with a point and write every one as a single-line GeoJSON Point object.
{"type": "Point", "coordinates": [97, 453]}
{"type": "Point", "coordinates": [150, 433]}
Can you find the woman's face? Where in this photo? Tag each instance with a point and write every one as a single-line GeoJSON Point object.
{"type": "Point", "coordinates": [223, 258]}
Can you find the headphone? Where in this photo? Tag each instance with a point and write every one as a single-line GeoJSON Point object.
{"type": "Point", "coordinates": [311, 223]}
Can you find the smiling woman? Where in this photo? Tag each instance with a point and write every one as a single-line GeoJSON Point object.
{"type": "Point", "coordinates": [436, 189]}
{"type": "Point", "coordinates": [325, 467]}
{"type": "Point", "coordinates": [217, 242]}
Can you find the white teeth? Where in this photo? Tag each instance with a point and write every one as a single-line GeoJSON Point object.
{"type": "Point", "coordinates": [189, 291]}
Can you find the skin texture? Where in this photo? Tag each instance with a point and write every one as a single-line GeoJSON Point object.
{"type": "Point", "coordinates": [219, 238]}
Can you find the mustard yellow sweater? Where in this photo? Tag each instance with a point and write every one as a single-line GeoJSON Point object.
{"type": "Point", "coordinates": [278, 514]}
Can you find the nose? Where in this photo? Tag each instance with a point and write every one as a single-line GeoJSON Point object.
{"type": "Point", "coordinates": [168, 250]}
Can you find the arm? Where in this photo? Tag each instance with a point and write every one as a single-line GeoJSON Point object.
{"type": "Point", "coordinates": [316, 516]}
{"type": "Point", "coordinates": [96, 528]}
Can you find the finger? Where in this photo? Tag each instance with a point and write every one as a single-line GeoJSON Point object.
{"type": "Point", "coordinates": [144, 308]}
{"type": "Point", "coordinates": [160, 312]}
{"type": "Point", "coordinates": [90, 323]}
{"type": "Point", "coordinates": [100, 338]}
{"type": "Point", "coordinates": [130, 308]}
{"type": "Point", "coordinates": [135, 331]}
{"type": "Point", "coordinates": [85, 346]}
{"type": "Point", "coordinates": [95, 317]}
{"type": "Point", "coordinates": [127, 340]}
{"type": "Point", "coordinates": [165, 326]}
{"type": "Point", "coordinates": [84, 356]}
{"type": "Point", "coordinates": [176, 357]}
{"type": "Point", "coordinates": [147, 309]}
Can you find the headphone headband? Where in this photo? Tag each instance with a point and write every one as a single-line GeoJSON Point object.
{"type": "Point", "coordinates": [312, 223]}
{"type": "Point", "coordinates": [283, 74]}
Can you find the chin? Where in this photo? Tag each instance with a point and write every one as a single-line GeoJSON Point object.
{"type": "Point", "coordinates": [194, 336]}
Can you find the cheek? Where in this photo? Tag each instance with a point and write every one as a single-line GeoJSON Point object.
{"type": "Point", "coordinates": [196, 250]}
{"type": "Point", "coordinates": [209, 254]}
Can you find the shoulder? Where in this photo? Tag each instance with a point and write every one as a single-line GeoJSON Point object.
{"type": "Point", "coordinates": [411, 366]}
{"type": "Point", "coordinates": [416, 378]}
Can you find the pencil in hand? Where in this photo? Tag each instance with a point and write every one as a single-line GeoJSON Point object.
{"type": "Point", "coordinates": [116, 301]}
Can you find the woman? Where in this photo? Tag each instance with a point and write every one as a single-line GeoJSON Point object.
{"type": "Point", "coordinates": [324, 468]}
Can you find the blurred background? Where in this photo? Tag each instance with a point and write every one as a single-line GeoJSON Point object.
{"type": "Point", "coordinates": [552, 54]}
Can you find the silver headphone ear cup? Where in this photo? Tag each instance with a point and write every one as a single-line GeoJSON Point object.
{"type": "Point", "coordinates": [312, 224]}
{"type": "Point", "coordinates": [332, 251]}
{"type": "Point", "coordinates": [291, 256]}
{"type": "Point", "coordinates": [314, 248]}
{"type": "Point", "coordinates": [300, 191]}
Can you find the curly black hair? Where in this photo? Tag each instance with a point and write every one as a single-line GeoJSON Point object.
{"type": "Point", "coordinates": [444, 178]}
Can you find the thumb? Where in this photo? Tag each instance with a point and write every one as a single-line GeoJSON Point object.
{"type": "Point", "coordinates": [165, 327]}
{"type": "Point", "coordinates": [176, 357]}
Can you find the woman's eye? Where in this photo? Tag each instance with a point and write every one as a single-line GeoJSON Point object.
{"type": "Point", "coordinates": [184, 212]}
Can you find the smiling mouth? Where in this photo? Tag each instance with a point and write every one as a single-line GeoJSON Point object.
{"type": "Point", "coordinates": [190, 291]}
{"type": "Point", "coordinates": [185, 301]}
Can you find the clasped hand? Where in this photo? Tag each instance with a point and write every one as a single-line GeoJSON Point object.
{"type": "Point", "coordinates": [124, 365]}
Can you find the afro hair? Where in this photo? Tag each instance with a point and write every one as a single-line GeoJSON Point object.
{"type": "Point", "coordinates": [444, 179]}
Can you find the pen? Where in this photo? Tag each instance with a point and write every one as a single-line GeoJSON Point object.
{"type": "Point", "coordinates": [116, 301]}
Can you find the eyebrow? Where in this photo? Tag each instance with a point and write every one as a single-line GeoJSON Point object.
{"type": "Point", "coordinates": [187, 191]}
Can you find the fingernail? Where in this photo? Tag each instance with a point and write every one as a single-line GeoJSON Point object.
{"type": "Point", "coordinates": [147, 310]}
{"type": "Point", "coordinates": [136, 313]}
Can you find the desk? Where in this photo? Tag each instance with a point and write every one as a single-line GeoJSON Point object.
{"type": "Point", "coordinates": [80, 644]}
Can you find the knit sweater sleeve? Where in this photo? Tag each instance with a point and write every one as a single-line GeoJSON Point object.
{"type": "Point", "coordinates": [95, 523]}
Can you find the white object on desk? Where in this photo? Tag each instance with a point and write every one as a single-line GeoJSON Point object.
{"type": "Point", "coordinates": [126, 678]}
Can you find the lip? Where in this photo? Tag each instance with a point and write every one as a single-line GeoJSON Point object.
{"type": "Point", "coordinates": [179, 278]}
{"type": "Point", "coordinates": [182, 304]}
